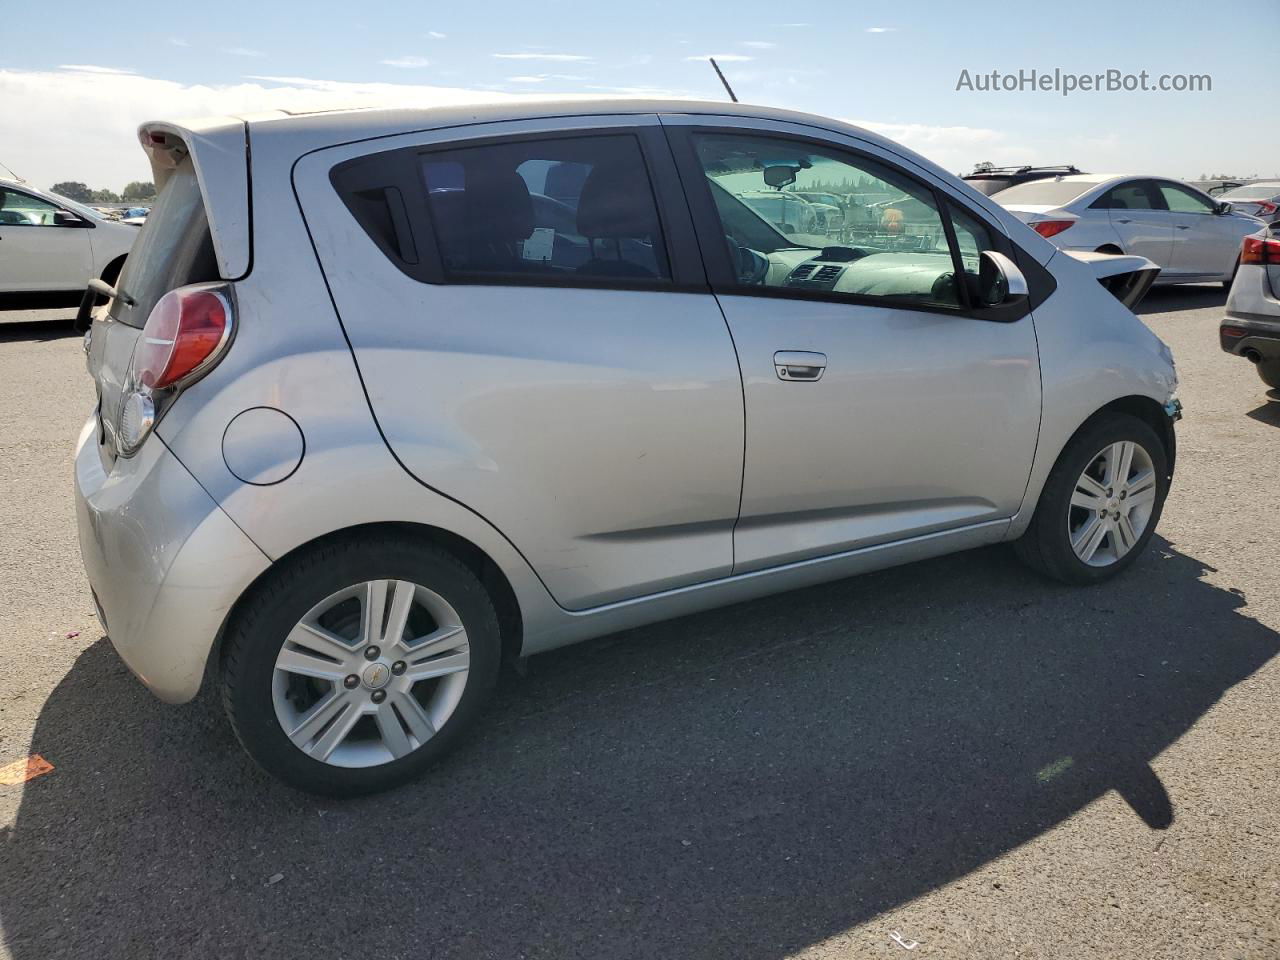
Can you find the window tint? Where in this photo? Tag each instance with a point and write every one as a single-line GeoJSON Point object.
{"type": "Point", "coordinates": [1182, 200]}
{"type": "Point", "coordinates": [551, 209]}
{"type": "Point", "coordinates": [1127, 196]}
{"type": "Point", "coordinates": [883, 237]}
{"type": "Point", "coordinates": [23, 210]}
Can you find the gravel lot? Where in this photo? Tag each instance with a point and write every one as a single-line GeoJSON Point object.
{"type": "Point", "coordinates": [989, 764]}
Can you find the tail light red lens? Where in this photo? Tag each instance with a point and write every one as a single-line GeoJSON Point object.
{"type": "Point", "coordinates": [1051, 228]}
{"type": "Point", "coordinates": [1260, 251]}
{"type": "Point", "coordinates": [184, 333]}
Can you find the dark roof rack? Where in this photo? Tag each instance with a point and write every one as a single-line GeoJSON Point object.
{"type": "Point", "coordinates": [981, 168]}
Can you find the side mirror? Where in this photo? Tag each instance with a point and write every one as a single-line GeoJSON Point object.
{"type": "Point", "coordinates": [779, 176]}
{"type": "Point", "coordinates": [1222, 208]}
{"type": "Point", "coordinates": [64, 218]}
{"type": "Point", "coordinates": [1000, 282]}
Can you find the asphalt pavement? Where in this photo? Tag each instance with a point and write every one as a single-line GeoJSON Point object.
{"type": "Point", "coordinates": [956, 752]}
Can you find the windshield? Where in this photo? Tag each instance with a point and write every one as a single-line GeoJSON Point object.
{"type": "Point", "coordinates": [1254, 191]}
{"type": "Point", "coordinates": [1050, 193]}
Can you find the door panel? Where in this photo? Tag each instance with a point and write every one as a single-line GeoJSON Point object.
{"type": "Point", "coordinates": [920, 422]}
{"type": "Point", "coordinates": [877, 408]}
{"type": "Point", "coordinates": [600, 430]}
{"type": "Point", "coordinates": [1144, 227]}
{"type": "Point", "coordinates": [35, 253]}
{"type": "Point", "coordinates": [1200, 248]}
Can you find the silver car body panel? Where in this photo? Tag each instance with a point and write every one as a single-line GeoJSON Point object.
{"type": "Point", "coordinates": [1188, 247]}
{"type": "Point", "coordinates": [292, 354]}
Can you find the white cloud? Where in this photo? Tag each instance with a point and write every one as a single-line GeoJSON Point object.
{"type": "Point", "coordinates": [551, 57]}
{"type": "Point", "coordinates": [881, 29]}
{"type": "Point", "coordinates": [953, 148]}
{"type": "Point", "coordinates": [407, 63]}
{"type": "Point", "coordinates": [436, 35]}
{"type": "Point", "coordinates": [526, 79]}
{"type": "Point", "coordinates": [179, 42]}
{"type": "Point", "coordinates": [93, 68]}
{"type": "Point", "coordinates": [759, 44]}
{"type": "Point", "coordinates": [723, 57]}
{"type": "Point", "coordinates": [793, 24]}
{"type": "Point", "coordinates": [242, 52]}
{"type": "Point", "coordinates": [98, 113]}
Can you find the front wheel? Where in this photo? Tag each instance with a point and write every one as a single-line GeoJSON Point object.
{"type": "Point", "coordinates": [1101, 503]}
{"type": "Point", "coordinates": [357, 664]}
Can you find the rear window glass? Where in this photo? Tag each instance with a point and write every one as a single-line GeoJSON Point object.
{"type": "Point", "coordinates": [1045, 192]}
{"type": "Point", "coordinates": [173, 248]}
{"type": "Point", "coordinates": [557, 210]}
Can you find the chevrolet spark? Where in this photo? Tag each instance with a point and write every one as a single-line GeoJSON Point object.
{"type": "Point", "coordinates": [387, 397]}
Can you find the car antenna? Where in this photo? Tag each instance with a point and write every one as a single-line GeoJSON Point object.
{"type": "Point", "coordinates": [728, 89]}
{"type": "Point", "coordinates": [18, 179]}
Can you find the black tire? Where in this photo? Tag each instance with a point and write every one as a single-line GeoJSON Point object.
{"type": "Point", "coordinates": [260, 625]}
{"type": "Point", "coordinates": [1046, 545]}
{"type": "Point", "coordinates": [1269, 371]}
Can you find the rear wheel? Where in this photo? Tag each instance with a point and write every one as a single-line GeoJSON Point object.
{"type": "Point", "coordinates": [1269, 371]}
{"type": "Point", "coordinates": [358, 664]}
{"type": "Point", "coordinates": [1101, 503]}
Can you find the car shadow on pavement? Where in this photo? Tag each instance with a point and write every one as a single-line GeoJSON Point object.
{"type": "Point", "coordinates": [1269, 412]}
{"type": "Point", "coordinates": [739, 784]}
{"type": "Point", "coordinates": [1186, 296]}
{"type": "Point", "coordinates": [36, 331]}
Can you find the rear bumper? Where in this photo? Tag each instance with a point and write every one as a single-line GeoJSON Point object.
{"type": "Point", "coordinates": [164, 561]}
{"type": "Point", "coordinates": [1261, 336]}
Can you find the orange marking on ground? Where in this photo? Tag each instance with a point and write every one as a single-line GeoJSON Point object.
{"type": "Point", "coordinates": [20, 771]}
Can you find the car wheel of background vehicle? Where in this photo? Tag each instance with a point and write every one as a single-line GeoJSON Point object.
{"type": "Point", "coordinates": [356, 664]}
{"type": "Point", "coordinates": [1100, 504]}
{"type": "Point", "coordinates": [1269, 371]}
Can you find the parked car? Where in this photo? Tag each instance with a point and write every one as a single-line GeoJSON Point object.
{"type": "Point", "coordinates": [789, 212]}
{"type": "Point", "coordinates": [361, 434]}
{"type": "Point", "coordinates": [1191, 237]}
{"type": "Point", "coordinates": [829, 209]}
{"type": "Point", "coordinates": [1251, 328]}
{"type": "Point", "coordinates": [1260, 199]}
{"type": "Point", "coordinates": [51, 244]}
{"type": "Point", "coordinates": [990, 179]}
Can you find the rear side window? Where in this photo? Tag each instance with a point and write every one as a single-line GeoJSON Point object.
{"type": "Point", "coordinates": [174, 248]}
{"type": "Point", "coordinates": [549, 210]}
{"type": "Point", "coordinates": [1128, 196]}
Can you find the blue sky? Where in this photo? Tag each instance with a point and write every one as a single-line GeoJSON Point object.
{"type": "Point", "coordinates": [893, 66]}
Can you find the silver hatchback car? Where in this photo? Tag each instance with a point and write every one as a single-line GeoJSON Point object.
{"type": "Point", "coordinates": [388, 397]}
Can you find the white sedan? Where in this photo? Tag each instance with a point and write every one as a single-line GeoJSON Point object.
{"type": "Point", "coordinates": [1189, 235]}
{"type": "Point", "coordinates": [49, 243]}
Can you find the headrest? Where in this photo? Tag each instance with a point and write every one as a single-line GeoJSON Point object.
{"type": "Point", "coordinates": [497, 205]}
{"type": "Point", "coordinates": [614, 206]}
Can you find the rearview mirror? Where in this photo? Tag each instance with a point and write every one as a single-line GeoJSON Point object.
{"type": "Point", "coordinates": [1000, 282]}
{"type": "Point", "coordinates": [779, 176]}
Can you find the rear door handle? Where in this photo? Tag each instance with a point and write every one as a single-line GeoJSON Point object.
{"type": "Point", "coordinates": [1183, 226]}
{"type": "Point", "coordinates": [799, 364]}
{"type": "Point", "coordinates": [1124, 221]}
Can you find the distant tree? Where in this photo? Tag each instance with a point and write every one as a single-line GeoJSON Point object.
{"type": "Point", "coordinates": [139, 190]}
{"type": "Point", "coordinates": [73, 190]}
{"type": "Point", "coordinates": [105, 196]}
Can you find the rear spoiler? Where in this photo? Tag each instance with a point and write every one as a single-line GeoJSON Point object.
{"type": "Point", "coordinates": [1126, 276]}
{"type": "Point", "coordinates": [219, 151]}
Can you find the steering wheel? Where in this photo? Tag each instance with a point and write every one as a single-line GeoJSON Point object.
{"type": "Point", "coordinates": [751, 266]}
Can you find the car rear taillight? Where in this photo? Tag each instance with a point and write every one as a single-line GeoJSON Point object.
{"type": "Point", "coordinates": [1050, 228]}
{"type": "Point", "coordinates": [1260, 250]}
{"type": "Point", "coordinates": [185, 334]}
{"type": "Point", "coordinates": [1266, 208]}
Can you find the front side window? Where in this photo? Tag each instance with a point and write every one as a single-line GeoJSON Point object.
{"type": "Point", "coordinates": [1182, 200]}
{"type": "Point", "coordinates": [804, 218]}
{"type": "Point", "coordinates": [551, 210]}
{"type": "Point", "coordinates": [19, 209]}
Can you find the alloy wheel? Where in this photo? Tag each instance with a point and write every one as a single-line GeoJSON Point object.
{"type": "Point", "coordinates": [1112, 503]}
{"type": "Point", "coordinates": [370, 673]}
